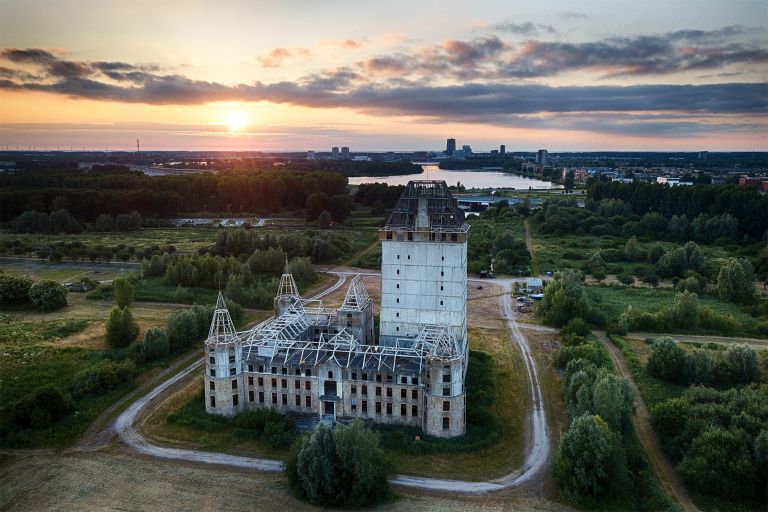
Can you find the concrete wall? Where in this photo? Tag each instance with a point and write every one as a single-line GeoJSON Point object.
{"type": "Point", "coordinates": [415, 278]}
{"type": "Point", "coordinates": [445, 390]}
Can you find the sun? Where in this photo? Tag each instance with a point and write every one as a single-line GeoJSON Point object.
{"type": "Point", "coordinates": [236, 121]}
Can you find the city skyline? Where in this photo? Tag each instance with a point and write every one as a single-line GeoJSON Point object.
{"type": "Point", "coordinates": [403, 77]}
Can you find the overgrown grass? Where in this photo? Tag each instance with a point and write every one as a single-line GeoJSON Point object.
{"type": "Point", "coordinates": [612, 301]}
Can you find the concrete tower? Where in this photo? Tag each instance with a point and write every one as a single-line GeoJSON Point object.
{"type": "Point", "coordinates": [224, 387]}
{"type": "Point", "coordinates": [424, 264]}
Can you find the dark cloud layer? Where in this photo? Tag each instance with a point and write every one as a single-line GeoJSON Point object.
{"type": "Point", "coordinates": [486, 70]}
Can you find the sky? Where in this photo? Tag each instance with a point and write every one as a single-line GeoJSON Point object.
{"type": "Point", "coordinates": [397, 75]}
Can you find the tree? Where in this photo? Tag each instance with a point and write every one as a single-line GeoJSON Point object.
{"type": "Point", "coordinates": [741, 361]}
{"type": "Point", "coordinates": [155, 344]}
{"type": "Point", "coordinates": [613, 400]}
{"type": "Point", "coordinates": [122, 292]}
{"type": "Point", "coordinates": [316, 203]}
{"type": "Point", "coordinates": [632, 250]}
{"type": "Point", "coordinates": [736, 280]}
{"type": "Point", "coordinates": [340, 206]}
{"type": "Point", "coordinates": [122, 329]}
{"type": "Point", "coordinates": [104, 222]}
{"type": "Point", "coordinates": [41, 407]}
{"type": "Point", "coordinates": [588, 460]}
{"type": "Point", "coordinates": [626, 279]}
{"type": "Point", "coordinates": [182, 329]}
{"type": "Point", "coordinates": [343, 467]}
{"type": "Point", "coordinates": [667, 360]}
{"type": "Point", "coordinates": [564, 298]}
{"type": "Point", "coordinates": [324, 220]}
{"type": "Point", "coordinates": [48, 295]}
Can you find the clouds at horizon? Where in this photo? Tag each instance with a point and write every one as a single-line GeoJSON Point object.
{"type": "Point", "coordinates": [485, 79]}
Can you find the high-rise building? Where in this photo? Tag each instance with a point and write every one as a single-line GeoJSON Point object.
{"type": "Point", "coordinates": [335, 152]}
{"type": "Point", "coordinates": [310, 155]}
{"type": "Point", "coordinates": [466, 149]}
{"type": "Point", "coordinates": [541, 157]}
{"type": "Point", "coordinates": [345, 153]}
{"type": "Point", "coordinates": [502, 149]}
{"type": "Point", "coordinates": [703, 155]}
{"type": "Point", "coordinates": [450, 147]}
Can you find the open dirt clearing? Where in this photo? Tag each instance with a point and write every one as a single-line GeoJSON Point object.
{"type": "Point", "coordinates": [35, 481]}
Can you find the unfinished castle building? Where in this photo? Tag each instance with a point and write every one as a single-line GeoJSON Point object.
{"type": "Point", "coordinates": [312, 360]}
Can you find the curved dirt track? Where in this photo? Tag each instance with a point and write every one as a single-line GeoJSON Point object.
{"type": "Point", "coordinates": [537, 449]}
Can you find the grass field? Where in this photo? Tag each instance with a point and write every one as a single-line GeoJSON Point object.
{"type": "Point", "coordinates": [510, 406]}
{"type": "Point", "coordinates": [612, 300]}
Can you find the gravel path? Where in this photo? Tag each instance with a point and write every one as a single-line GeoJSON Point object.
{"type": "Point", "coordinates": [537, 450]}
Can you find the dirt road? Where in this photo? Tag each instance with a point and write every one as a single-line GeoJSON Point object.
{"type": "Point", "coordinates": [537, 450]}
{"type": "Point", "coordinates": [642, 420]}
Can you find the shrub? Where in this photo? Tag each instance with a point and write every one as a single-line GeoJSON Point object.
{"type": "Point", "coordinates": [14, 290]}
{"type": "Point", "coordinates": [343, 467]}
{"type": "Point", "coordinates": [101, 378]}
{"type": "Point", "coordinates": [667, 360]}
{"type": "Point", "coordinates": [40, 408]}
{"type": "Point", "coordinates": [48, 295]}
{"type": "Point", "coordinates": [155, 344]}
{"type": "Point", "coordinates": [122, 329]}
{"type": "Point", "coordinates": [736, 280]}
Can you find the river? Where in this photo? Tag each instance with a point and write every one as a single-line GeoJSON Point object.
{"type": "Point", "coordinates": [481, 178]}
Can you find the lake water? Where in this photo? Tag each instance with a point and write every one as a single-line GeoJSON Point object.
{"type": "Point", "coordinates": [481, 178]}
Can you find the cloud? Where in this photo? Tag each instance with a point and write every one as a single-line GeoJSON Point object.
{"type": "Point", "coordinates": [278, 56]}
{"type": "Point", "coordinates": [523, 29]}
{"type": "Point", "coordinates": [573, 15]}
{"type": "Point", "coordinates": [349, 44]}
{"type": "Point", "coordinates": [29, 55]}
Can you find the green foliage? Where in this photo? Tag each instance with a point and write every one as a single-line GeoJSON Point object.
{"type": "Point", "coordinates": [193, 415]}
{"type": "Point", "coordinates": [40, 408]}
{"type": "Point", "coordinates": [122, 292]}
{"type": "Point", "coordinates": [589, 463]}
{"type": "Point", "coordinates": [564, 299]}
{"type": "Point", "coordinates": [613, 400]}
{"type": "Point", "coordinates": [632, 250]}
{"type": "Point", "coordinates": [155, 344]}
{"type": "Point", "coordinates": [14, 290]}
{"type": "Point", "coordinates": [103, 377]}
{"type": "Point", "coordinates": [270, 426]}
{"type": "Point", "coordinates": [48, 295]}
{"type": "Point", "coordinates": [717, 440]}
{"type": "Point", "coordinates": [343, 467]}
{"type": "Point", "coordinates": [122, 329]}
{"type": "Point", "coordinates": [667, 360]}
{"type": "Point", "coordinates": [736, 280]}
{"type": "Point", "coordinates": [183, 330]}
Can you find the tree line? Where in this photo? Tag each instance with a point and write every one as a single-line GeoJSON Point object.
{"type": "Point", "coordinates": [89, 193]}
{"type": "Point", "coordinates": [745, 204]}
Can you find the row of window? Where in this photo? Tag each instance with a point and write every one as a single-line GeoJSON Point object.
{"type": "Point", "coordinates": [432, 236]}
{"type": "Point", "coordinates": [232, 372]}
{"type": "Point", "coordinates": [353, 375]}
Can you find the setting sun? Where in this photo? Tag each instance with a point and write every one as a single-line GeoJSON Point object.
{"type": "Point", "coordinates": [236, 121]}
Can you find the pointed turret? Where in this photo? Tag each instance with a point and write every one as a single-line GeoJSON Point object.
{"type": "Point", "coordinates": [357, 297]}
{"type": "Point", "coordinates": [287, 293]}
{"type": "Point", "coordinates": [222, 329]}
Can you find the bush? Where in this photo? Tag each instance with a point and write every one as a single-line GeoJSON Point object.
{"type": "Point", "coordinates": [155, 344]}
{"type": "Point", "coordinates": [122, 329]}
{"type": "Point", "coordinates": [343, 467]}
{"type": "Point", "coordinates": [667, 360]}
{"type": "Point", "coordinates": [101, 378]}
{"type": "Point", "coordinates": [14, 290]}
{"type": "Point", "coordinates": [39, 409]}
{"type": "Point", "coordinates": [48, 295]}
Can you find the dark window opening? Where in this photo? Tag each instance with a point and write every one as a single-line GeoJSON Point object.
{"type": "Point", "coordinates": [234, 400]}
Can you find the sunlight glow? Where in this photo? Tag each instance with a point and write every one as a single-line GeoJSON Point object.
{"type": "Point", "coordinates": [236, 121]}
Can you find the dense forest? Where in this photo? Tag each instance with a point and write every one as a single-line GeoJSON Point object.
{"type": "Point", "coordinates": [114, 190]}
{"type": "Point", "coordinates": [745, 204]}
